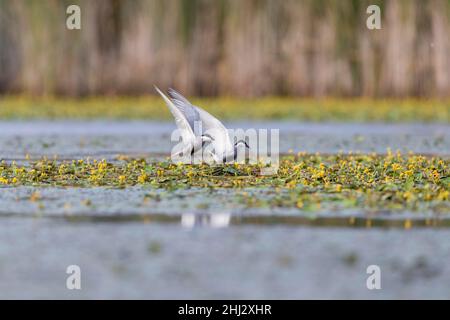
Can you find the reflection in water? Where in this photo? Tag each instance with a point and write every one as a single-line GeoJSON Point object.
{"type": "Point", "coordinates": [215, 220]}
{"type": "Point", "coordinates": [219, 220]}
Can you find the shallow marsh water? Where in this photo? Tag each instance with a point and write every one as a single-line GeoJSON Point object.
{"type": "Point", "coordinates": [191, 245]}
{"type": "Point", "coordinates": [72, 139]}
{"type": "Point", "coordinates": [138, 260]}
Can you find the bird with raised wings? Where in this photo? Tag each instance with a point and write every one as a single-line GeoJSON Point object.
{"type": "Point", "coordinates": [198, 127]}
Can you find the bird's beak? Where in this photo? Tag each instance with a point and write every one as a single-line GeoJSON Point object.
{"type": "Point", "coordinates": [208, 136]}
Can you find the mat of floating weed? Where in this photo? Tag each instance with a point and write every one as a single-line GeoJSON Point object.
{"type": "Point", "coordinates": [308, 186]}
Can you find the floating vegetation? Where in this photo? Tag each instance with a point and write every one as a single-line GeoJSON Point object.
{"type": "Point", "coordinates": [303, 181]}
{"type": "Point", "coordinates": [151, 107]}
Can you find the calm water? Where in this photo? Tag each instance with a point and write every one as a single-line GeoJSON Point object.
{"type": "Point", "coordinates": [198, 244]}
{"type": "Point", "coordinates": [107, 139]}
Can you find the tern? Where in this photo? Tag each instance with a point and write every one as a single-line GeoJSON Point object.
{"type": "Point", "coordinates": [190, 118]}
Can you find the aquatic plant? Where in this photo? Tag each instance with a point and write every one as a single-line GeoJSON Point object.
{"type": "Point", "coordinates": [304, 181]}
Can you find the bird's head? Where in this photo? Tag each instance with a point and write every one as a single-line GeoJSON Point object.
{"type": "Point", "coordinates": [241, 143]}
{"type": "Point", "coordinates": [207, 138]}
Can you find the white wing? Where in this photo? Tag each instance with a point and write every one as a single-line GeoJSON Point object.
{"type": "Point", "coordinates": [210, 124]}
{"type": "Point", "coordinates": [215, 128]}
{"type": "Point", "coordinates": [183, 125]}
{"type": "Point", "coordinates": [187, 109]}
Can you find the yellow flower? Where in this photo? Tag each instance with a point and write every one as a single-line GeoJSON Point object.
{"type": "Point", "coordinates": [122, 179]}
{"type": "Point", "coordinates": [408, 173]}
{"type": "Point", "coordinates": [435, 174]}
{"type": "Point", "coordinates": [408, 196]}
{"type": "Point", "coordinates": [94, 178]}
{"type": "Point", "coordinates": [443, 195]}
{"type": "Point", "coordinates": [142, 178]}
{"type": "Point", "coordinates": [291, 184]}
{"type": "Point", "coordinates": [190, 174]}
{"type": "Point", "coordinates": [62, 169]}
{"type": "Point", "coordinates": [101, 166]}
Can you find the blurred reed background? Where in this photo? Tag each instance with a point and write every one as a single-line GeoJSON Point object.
{"type": "Point", "coordinates": [226, 47]}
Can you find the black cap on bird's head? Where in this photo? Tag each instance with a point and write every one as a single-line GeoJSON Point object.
{"type": "Point", "coordinates": [207, 137]}
{"type": "Point", "coordinates": [240, 143]}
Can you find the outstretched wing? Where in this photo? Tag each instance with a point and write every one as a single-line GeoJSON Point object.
{"type": "Point", "coordinates": [186, 108]}
{"type": "Point", "coordinates": [210, 124]}
{"type": "Point", "coordinates": [182, 123]}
